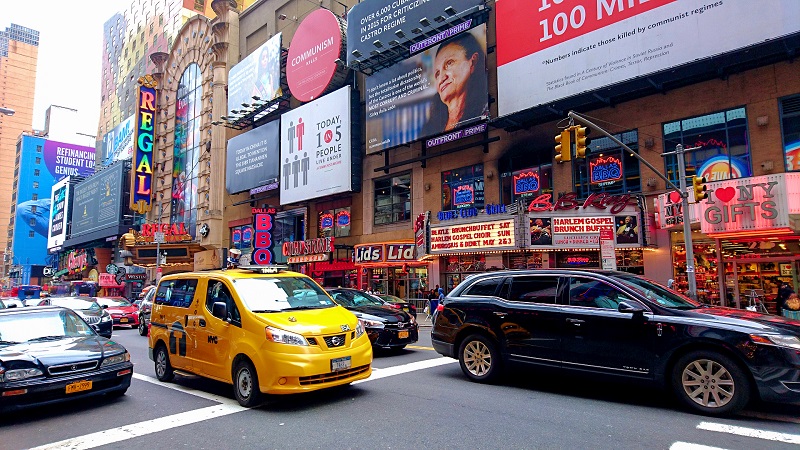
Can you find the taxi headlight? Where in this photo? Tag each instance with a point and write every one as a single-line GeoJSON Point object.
{"type": "Point", "coordinates": [116, 359]}
{"type": "Point", "coordinates": [20, 374]}
{"type": "Point", "coordinates": [284, 337]}
{"type": "Point", "coordinates": [359, 328]}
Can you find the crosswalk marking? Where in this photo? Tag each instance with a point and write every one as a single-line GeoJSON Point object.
{"type": "Point", "coordinates": [750, 432]}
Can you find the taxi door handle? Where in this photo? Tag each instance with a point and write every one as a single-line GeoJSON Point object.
{"type": "Point", "coordinates": [201, 322]}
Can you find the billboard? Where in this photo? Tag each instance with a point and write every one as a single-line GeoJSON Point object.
{"type": "Point", "coordinates": [97, 201]}
{"type": "Point", "coordinates": [315, 143]}
{"type": "Point", "coordinates": [253, 158]}
{"type": "Point", "coordinates": [64, 159]}
{"type": "Point", "coordinates": [553, 50]}
{"type": "Point", "coordinates": [118, 143]}
{"type": "Point", "coordinates": [259, 74]}
{"type": "Point", "coordinates": [378, 20]}
{"type": "Point", "coordinates": [440, 89]}
{"type": "Point", "coordinates": [317, 45]}
{"type": "Point", "coordinates": [142, 167]}
{"type": "Point", "coordinates": [59, 212]}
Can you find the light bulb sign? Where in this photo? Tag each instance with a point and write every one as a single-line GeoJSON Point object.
{"type": "Point", "coordinates": [142, 168]}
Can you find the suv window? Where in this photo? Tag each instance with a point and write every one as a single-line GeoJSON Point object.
{"type": "Point", "coordinates": [531, 289]}
{"type": "Point", "coordinates": [218, 292]}
{"type": "Point", "coordinates": [593, 294]}
{"type": "Point", "coordinates": [485, 288]}
{"type": "Point", "coordinates": [178, 293]}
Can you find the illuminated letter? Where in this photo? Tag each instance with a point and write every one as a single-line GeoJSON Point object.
{"type": "Point", "coordinates": [147, 100]}
{"type": "Point", "coordinates": [147, 121]}
{"type": "Point", "coordinates": [144, 163]}
{"type": "Point", "coordinates": [146, 146]}
{"type": "Point", "coordinates": [142, 189]}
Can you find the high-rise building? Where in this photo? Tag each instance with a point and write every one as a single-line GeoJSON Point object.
{"type": "Point", "coordinates": [19, 50]}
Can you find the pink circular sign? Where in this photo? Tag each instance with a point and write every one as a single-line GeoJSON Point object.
{"type": "Point", "coordinates": [316, 45]}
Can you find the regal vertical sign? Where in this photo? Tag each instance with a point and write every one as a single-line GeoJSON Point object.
{"type": "Point", "coordinates": [142, 168]}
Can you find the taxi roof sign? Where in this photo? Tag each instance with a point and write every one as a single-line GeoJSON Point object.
{"type": "Point", "coordinates": [267, 268]}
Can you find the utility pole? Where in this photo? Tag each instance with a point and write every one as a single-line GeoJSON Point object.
{"type": "Point", "coordinates": [687, 224]}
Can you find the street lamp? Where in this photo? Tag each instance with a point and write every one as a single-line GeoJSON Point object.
{"type": "Point", "coordinates": [6, 111]}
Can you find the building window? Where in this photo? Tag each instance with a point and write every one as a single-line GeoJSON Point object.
{"type": "Point", "coordinates": [790, 128]}
{"type": "Point", "coordinates": [31, 234]}
{"type": "Point", "coordinates": [334, 222]}
{"type": "Point", "coordinates": [242, 237]}
{"type": "Point", "coordinates": [186, 152]}
{"type": "Point", "coordinates": [463, 188]}
{"type": "Point", "coordinates": [607, 167]}
{"type": "Point", "coordinates": [392, 199]}
{"type": "Point", "coordinates": [35, 184]}
{"type": "Point", "coordinates": [38, 149]}
{"type": "Point", "coordinates": [38, 160]}
{"type": "Point", "coordinates": [36, 172]}
{"type": "Point", "coordinates": [287, 228]}
{"type": "Point", "coordinates": [33, 209]}
{"type": "Point", "coordinates": [34, 196]}
{"type": "Point", "coordinates": [724, 148]}
{"type": "Point", "coordinates": [32, 223]}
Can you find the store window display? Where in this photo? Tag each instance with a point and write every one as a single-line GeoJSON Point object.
{"type": "Point", "coordinates": [706, 274]}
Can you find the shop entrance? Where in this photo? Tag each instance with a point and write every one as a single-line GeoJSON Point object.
{"type": "Point", "coordinates": [747, 278]}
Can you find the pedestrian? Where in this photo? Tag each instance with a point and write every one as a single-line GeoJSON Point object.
{"type": "Point", "coordinates": [784, 292]}
{"type": "Point", "coordinates": [671, 283]}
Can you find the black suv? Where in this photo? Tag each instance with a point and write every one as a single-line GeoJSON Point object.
{"type": "Point", "coordinates": [715, 359]}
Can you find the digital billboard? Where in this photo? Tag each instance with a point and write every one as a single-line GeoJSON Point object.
{"type": "Point", "coordinates": [259, 74]}
{"type": "Point", "coordinates": [96, 204]}
{"type": "Point", "coordinates": [253, 158]}
{"type": "Point", "coordinates": [548, 50]}
{"type": "Point", "coordinates": [59, 213]}
{"type": "Point", "coordinates": [382, 21]}
{"type": "Point", "coordinates": [440, 89]}
{"type": "Point", "coordinates": [315, 148]}
{"type": "Point", "coordinates": [118, 143]}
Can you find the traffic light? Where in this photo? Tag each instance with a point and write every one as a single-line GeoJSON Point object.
{"type": "Point", "coordinates": [699, 186]}
{"type": "Point", "coordinates": [581, 141]}
{"type": "Point", "coordinates": [563, 147]}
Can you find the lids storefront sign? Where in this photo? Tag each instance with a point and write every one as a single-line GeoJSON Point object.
{"type": "Point", "coordinates": [385, 253]}
{"type": "Point", "coordinates": [473, 236]}
{"type": "Point", "coordinates": [311, 68]}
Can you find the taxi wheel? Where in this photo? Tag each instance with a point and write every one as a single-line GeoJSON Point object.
{"type": "Point", "coordinates": [164, 370]}
{"type": "Point", "coordinates": [245, 384]}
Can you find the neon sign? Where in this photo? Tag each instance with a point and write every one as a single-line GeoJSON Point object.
{"type": "Point", "coordinates": [463, 195]}
{"type": "Point", "coordinates": [604, 170]}
{"type": "Point", "coordinates": [577, 260]}
{"type": "Point", "coordinates": [263, 220]}
{"type": "Point", "coordinates": [326, 221]}
{"type": "Point", "coordinates": [142, 168]}
{"type": "Point", "coordinates": [615, 202]}
{"type": "Point", "coordinates": [526, 183]}
{"type": "Point", "coordinates": [343, 218]}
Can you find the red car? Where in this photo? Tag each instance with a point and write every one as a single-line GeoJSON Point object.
{"type": "Point", "coordinates": [123, 312]}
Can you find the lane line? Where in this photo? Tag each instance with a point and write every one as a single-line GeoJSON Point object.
{"type": "Point", "coordinates": [144, 428]}
{"type": "Point", "coordinates": [750, 432]}
{"type": "Point", "coordinates": [186, 390]}
{"type": "Point", "coordinates": [690, 446]}
{"type": "Point", "coordinates": [406, 368]}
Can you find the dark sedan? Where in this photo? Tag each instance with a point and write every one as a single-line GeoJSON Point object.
{"type": "Point", "coordinates": [50, 354]}
{"type": "Point", "coordinates": [398, 303]}
{"type": "Point", "coordinates": [387, 327]}
{"type": "Point", "coordinates": [714, 359]}
{"type": "Point", "coordinates": [91, 311]}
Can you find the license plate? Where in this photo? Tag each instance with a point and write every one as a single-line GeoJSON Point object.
{"type": "Point", "coordinates": [405, 308]}
{"type": "Point", "coordinates": [338, 364]}
{"type": "Point", "coordinates": [79, 386]}
{"type": "Point", "coordinates": [402, 334]}
{"type": "Point", "coordinates": [123, 320]}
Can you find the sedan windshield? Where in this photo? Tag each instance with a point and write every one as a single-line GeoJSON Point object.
{"type": "Point", "coordinates": [75, 303]}
{"type": "Point", "coordinates": [52, 324]}
{"type": "Point", "coordinates": [350, 299]}
{"type": "Point", "coordinates": [658, 294]}
{"type": "Point", "coordinates": [280, 294]}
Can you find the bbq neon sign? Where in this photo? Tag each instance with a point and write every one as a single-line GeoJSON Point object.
{"type": "Point", "coordinates": [463, 195]}
{"type": "Point", "coordinates": [526, 183]}
{"type": "Point", "coordinates": [603, 170]}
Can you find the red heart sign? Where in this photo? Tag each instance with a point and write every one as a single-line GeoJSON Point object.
{"type": "Point", "coordinates": [674, 197]}
{"type": "Point", "coordinates": [725, 194]}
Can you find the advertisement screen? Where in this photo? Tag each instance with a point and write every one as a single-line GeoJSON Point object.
{"type": "Point", "coordinates": [118, 143]}
{"type": "Point", "coordinates": [59, 212]}
{"type": "Point", "coordinates": [315, 148]}
{"type": "Point", "coordinates": [380, 20]}
{"type": "Point", "coordinates": [64, 159]}
{"type": "Point", "coordinates": [440, 89]}
{"type": "Point", "coordinates": [97, 201]}
{"type": "Point", "coordinates": [259, 74]}
{"type": "Point", "coordinates": [253, 158]}
{"type": "Point", "coordinates": [549, 50]}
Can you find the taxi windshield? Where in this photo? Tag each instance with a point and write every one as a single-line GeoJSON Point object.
{"type": "Point", "coordinates": [280, 294]}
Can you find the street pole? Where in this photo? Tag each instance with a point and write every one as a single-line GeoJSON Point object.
{"type": "Point", "coordinates": [687, 223]}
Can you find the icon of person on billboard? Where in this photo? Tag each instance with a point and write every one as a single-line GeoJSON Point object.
{"type": "Point", "coordinates": [459, 74]}
{"type": "Point", "coordinates": [627, 230]}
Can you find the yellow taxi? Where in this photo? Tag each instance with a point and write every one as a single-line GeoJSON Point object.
{"type": "Point", "coordinates": [262, 329]}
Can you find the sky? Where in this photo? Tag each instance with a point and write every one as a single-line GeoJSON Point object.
{"type": "Point", "coordinates": [70, 52]}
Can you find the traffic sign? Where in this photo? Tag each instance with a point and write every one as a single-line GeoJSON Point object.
{"type": "Point", "coordinates": [158, 237]}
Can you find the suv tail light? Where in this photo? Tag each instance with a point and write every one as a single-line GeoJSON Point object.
{"type": "Point", "coordinates": [394, 305]}
{"type": "Point", "coordinates": [440, 307]}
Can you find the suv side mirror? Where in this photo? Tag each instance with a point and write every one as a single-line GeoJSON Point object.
{"type": "Point", "coordinates": [219, 310]}
{"type": "Point", "coordinates": [628, 306]}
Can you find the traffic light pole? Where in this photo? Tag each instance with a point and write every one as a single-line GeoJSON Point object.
{"type": "Point", "coordinates": [687, 224]}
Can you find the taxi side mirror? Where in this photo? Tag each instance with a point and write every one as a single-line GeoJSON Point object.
{"type": "Point", "coordinates": [219, 310]}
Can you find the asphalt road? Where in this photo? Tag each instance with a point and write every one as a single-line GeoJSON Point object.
{"type": "Point", "coordinates": [415, 399]}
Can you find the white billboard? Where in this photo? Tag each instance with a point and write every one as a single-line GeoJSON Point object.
{"type": "Point", "coordinates": [118, 143]}
{"type": "Point", "coordinates": [549, 50]}
{"type": "Point", "coordinates": [315, 148]}
{"type": "Point", "coordinates": [59, 212]}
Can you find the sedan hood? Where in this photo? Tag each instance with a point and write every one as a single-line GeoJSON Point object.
{"type": "Point", "coordinates": [384, 313]}
{"type": "Point", "coordinates": [57, 352]}
{"type": "Point", "coordinates": [749, 319]}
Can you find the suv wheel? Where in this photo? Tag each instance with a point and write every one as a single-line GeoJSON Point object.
{"type": "Point", "coordinates": [479, 359]}
{"type": "Point", "coordinates": [164, 370]}
{"type": "Point", "coordinates": [142, 327]}
{"type": "Point", "coordinates": [245, 384]}
{"type": "Point", "coordinates": [710, 383]}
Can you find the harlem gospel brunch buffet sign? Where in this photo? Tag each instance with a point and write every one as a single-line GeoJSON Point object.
{"type": "Point", "coordinates": [142, 176]}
